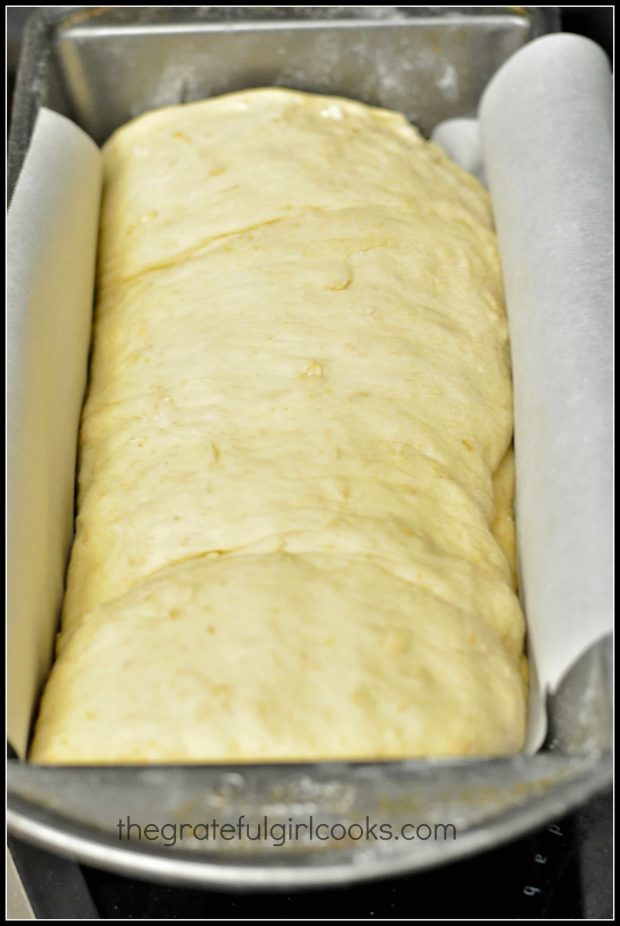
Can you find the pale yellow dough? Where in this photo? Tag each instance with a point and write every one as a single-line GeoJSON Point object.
{"type": "Point", "coordinates": [294, 534]}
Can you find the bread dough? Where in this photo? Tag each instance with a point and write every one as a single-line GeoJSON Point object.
{"type": "Point", "coordinates": [294, 535]}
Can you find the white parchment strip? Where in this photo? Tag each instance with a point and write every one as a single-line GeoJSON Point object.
{"type": "Point", "coordinates": [547, 147]}
{"type": "Point", "coordinates": [460, 138]}
{"type": "Point", "coordinates": [51, 248]}
{"type": "Point", "coordinates": [545, 134]}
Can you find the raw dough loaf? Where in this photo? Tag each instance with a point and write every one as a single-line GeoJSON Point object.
{"type": "Point", "coordinates": [294, 534]}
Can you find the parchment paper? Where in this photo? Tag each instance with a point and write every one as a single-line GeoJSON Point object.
{"type": "Point", "coordinates": [51, 245]}
{"type": "Point", "coordinates": [544, 141]}
{"type": "Point", "coordinates": [545, 135]}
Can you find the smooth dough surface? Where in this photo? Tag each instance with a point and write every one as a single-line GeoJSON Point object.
{"type": "Point", "coordinates": [294, 535]}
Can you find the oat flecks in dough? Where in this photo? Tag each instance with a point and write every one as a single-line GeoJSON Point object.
{"type": "Point", "coordinates": [293, 535]}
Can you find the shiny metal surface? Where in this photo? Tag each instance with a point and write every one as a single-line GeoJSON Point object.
{"type": "Point", "coordinates": [100, 66]}
{"type": "Point", "coordinates": [103, 65]}
{"type": "Point", "coordinates": [76, 810]}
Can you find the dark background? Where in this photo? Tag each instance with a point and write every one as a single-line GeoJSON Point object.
{"type": "Point", "coordinates": [574, 883]}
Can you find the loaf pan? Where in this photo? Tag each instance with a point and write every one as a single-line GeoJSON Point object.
{"type": "Point", "coordinates": [101, 67]}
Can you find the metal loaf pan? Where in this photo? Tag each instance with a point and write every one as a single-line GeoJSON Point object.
{"type": "Point", "coordinates": [100, 67]}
